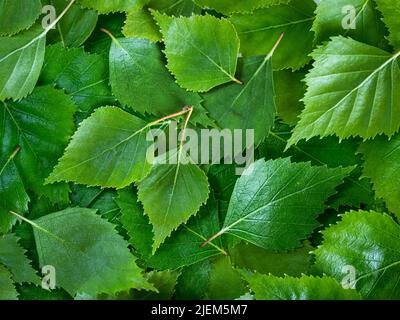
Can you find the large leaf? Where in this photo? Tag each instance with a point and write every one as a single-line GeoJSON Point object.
{"type": "Point", "coordinates": [230, 104]}
{"type": "Point", "coordinates": [268, 287]}
{"type": "Point", "coordinates": [21, 59]}
{"type": "Point", "coordinates": [183, 245]}
{"type": "Point", "coordinates": [391, 11]}
{"type": "Point", "coordinates": [87, 253]}
{"type": "Point", "coordinates": [12, 255]}
{"type": "Point", "coordinates": [259, 30]}
{"type": "Point", "coordinates": [171, 194]}
{"type": "Point", "coordinates": [365, 27]}
{"type": "Point", "coordinates": [140, 80]}
{"type": "Point", "coordinates": [353, 90]}
{"type": "Point", "coordinates": [193, 57]}
{"type": "Point", "coordinates": [275, 204]}
{"type": "Point", "coordinates": [17, 15]}
{"type": "Point", "coordinates": [83, 76]}
{"type": "Point", "coordinates": [41, 125]}
{"type": "Point", "coordinates": [369, 242]}
{"type": "Point", "coordinates": [108, 150]}
{"type": "Point", "coordinates": [7, 288]}
{"type": "Point", "coordinates": [75, 27]}
{"type": "Point", "coordinates": [381, 165]}
{"type": "Point", "coordinates": [108, 6]}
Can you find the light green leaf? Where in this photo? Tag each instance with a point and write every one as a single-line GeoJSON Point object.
{"type": "Point", "coordinates": [12, 255]}
{"type": "Point", "coordinates": [21, 59]}
{"type": "Point", "coordinates": [87, 253]}
{"type": "Point", "coordinates": [83, 76]}
{"type": "Point", "coordinates": [333, 19]}
{"type": "Point", "coordinates": [108, 150]}
{"type": "Point", "coordinates": [41, 126]}
{"type": "Point", "coordinates": [265, 204]}
{"type": "Point", "coordinates": [140, 24]}
{"type": "Point", "coordinates": [259, 30]}
{"type": "Point", "coordinates": [353, 90]}
{"type": "Point", "coordinates": [7, 288]}
{"type": "Point", "coordinates": [17, 15]}
{"type": "Point", "coordinates": [268, 287]}
{"type": "Point", "coordinates": [381, 165]}
{"type": "Point", "coordinates": [170, 195]}
{"type": "Point", "coordinates": [229, 105]}
{"type": "Point", "coordinates": [108, 6]}
{"type": "Point", "coordinates": [164, 281]}
{"type": "Point", "coordinates": [391, 11]}
{"type": "Point", "coordinates": [140, 80]}
{"type": "Point", "coordinates": [368, 242]}
{"type": "Point", "coordinates": [195, 60]}
{"type": "Point", "coordinates": [75, 27]}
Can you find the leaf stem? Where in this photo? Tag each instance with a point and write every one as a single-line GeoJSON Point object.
{"type": "Point", "coordinates": [271, 53]}
{"type": "Point", "coordinates": [35, 225]}
{"type": "Point", "coordinates": [221, 232]}
{"type": "Point", "coordinates": [10, 158]}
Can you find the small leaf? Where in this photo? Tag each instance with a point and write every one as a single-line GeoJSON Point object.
{"type": "Point", "coordinates": [267, 287]}
{"type": "Point", "coordinates": [171, 194]}
{"type": "Point", "coordinates": [391, 11]}
{"type": "Point", "coordinates": [108, 150]}
{"type": "Point", "coordinates": [87, 253]}
{"type": "Point", "coordinates": [193, 58]}
{"type": "Point", "coordinates": [140, 24]}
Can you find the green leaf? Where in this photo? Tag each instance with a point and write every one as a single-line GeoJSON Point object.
{"type": "Point", "coordinates": [83, 76]}
{"type": "Point", "coordinates": [164, 281]}
{"type": "Point", "coordinates": [175, 7]}
{"type": "Point", "coordinates": [41, 126]}
{"type": "Point", "coordinates": [391, 11]}
{"type": "Point", "coordinates": [229, 105]}
{"type": "Point", "coordinates": [293, 263]}
{"type": "Point", "coordinates": [193, 57]}
{"type": "Point", "coordinates": [225, 282]}
{"type": "Point", "coordinates": [193, 281]}
{"type": "Point", "coordinates": [171, 194]}
{"type": "Point", "coordinates": [140, 24]}
{"type": "Point", "coordinates": [108, 150]}
{"type": "Point", "coordinates": [183, 245]}
{"type": "Point", "coordinates": [75, 27]}
{"type": "Point", "coordinates": [108, 6]}
{"type": "Point", "coordinates": [289, 90]}
{"type": "Point", "coordinates": [31, 292]}
{"type": "Point", "coordinates": [259, 30]}
{"type": "Point", "coordinates": [140, 80]}
{"type": "Point", "coordinates": [228, 6]}
{"type": "Point", "coordinates": [332, 19]}
{"type": "Point", "coordinates": [12, 255]}
{"type": "Point", "coordinates": [13, 196]}
{"type": "Point", "coordinates": [367, 241]}
{"type": "Point", "coordinates": [265, 204]}
{"type": "Point", "coordinates": [21, 59]}
{"type": "Point", "coordinates": [267, 287]}
{"type": "Point", "coordinates": [7, 289]}
{"type": "Point", "coordinates": [353, 90]}
{"type": "Point", "coordinates": [87, 253]}
{"type": "Point", "coordinates": [381, 165]}
{"type": "Point", "coordinates": [17, 15]}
